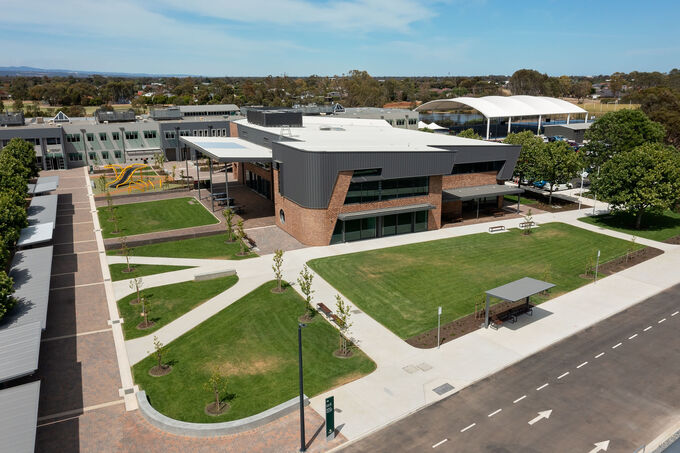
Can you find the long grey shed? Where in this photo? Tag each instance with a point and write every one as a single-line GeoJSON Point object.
{"type": "Point", "coordinates": [31, 271]}
{"type": "Point", "coordinates": [43, 210]}
{"type": "Point", "coordinates": [19, 350]}
{"type": "Point", "coordinates": [19, 417]}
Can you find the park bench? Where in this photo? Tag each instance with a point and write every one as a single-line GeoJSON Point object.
{"type": "Point", "coordinates": [493, 229]}
{"type": "Point", "coordinates": [213, 274]}
{"type": "Point", "coordinates": [337, 320]}
{"type": "Point", "coordinates": [324, 309]}
{"type": "Point", "coordinates": [523, 225]}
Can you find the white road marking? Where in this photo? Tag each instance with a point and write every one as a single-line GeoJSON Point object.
{"type": "Point", "coordinates": [599, 355]}
{"type": "Point", "coordinates": [583, 364]}
{"type": "Point", "coordinates": [439, 443]}
{"type": "Point", "coordinates": [661, 320]}
{"type": "Point", "coordinates": [519, 399]}
{"type": "Point", "coordinates": [494, 412]}
{"type": "Point", "coordinates": [616, 345]}
{"type": "Point", "coordinates": [647, 328]}
{"type": "Point", "coordinates": [467, 427]}
{"type": "Point", "coordinates": [600, 446]}
{"type": "Point", "coordinates": [673, 314]}
{"type": "Point", "coordinates": [562, 375]}
{"type": "Point", "coordinates": [543, 386]}
{"type": "Point", "coordinates": [632, 336]}
{"type": "Point", "coordinates": [541, 416]}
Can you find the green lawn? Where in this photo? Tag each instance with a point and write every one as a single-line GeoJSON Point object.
{"type": "Point", "coordinates": [168, 303]}
{"type": "Point", "coordinates": [140, 270]}
{"type": "Point", "coordinates": [204, 247]}
{"type": "Point", "coordinates": [657, 227]}
{"type": "Point", "coordinates": [522, 200]}
{"type": "Point", "coordinates": [402, 287]}
{"type": "Point", "coordinates": [253, 343]}
{"type": "Point", "coordinates": [150, 216]}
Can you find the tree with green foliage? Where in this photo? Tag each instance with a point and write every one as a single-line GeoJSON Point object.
{"type": "Point", "coordinates": [643, 180]}
{"type": "Point", "coordinates": [7, 302]}
{"type": "Point", "coordinates": [2, 106]}
{"type": "Point", "coordinates": [619, 132]}
{"type": "Point", "coordinates": [126, 252]}
{"type": "Point", "coordinates": [24, 152]}
{"type": "Point", "coordinates": [663, 105]}
{"type": "Point", "coordinates": [558, 164]}
{"type": "Point", "coordinates": [305, 283]}
{"type": "Point", "coordinates": [216, 385]}
{"type": "Point", "coordinates": [344, 314]}
{"type": "Point", "coordinates": [136, 284]}
{"type": "Point", "coordinates": [470, 133]}
{"type": "Point", "coordinates": [241, 238]}
{"type": "Point", "coordinates": [277, 268]}
{"type": "Point", "coordinates": [228, 214]}
{"type": "Point", "coordinates": [159, 349]}
{"type": "Point", "coordinates": [12, 219]}
{"type": "Point", "coordinates": [532, 149]}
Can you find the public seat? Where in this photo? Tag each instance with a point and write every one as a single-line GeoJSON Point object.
{"type": "Point", "coordinates": [324, 309]}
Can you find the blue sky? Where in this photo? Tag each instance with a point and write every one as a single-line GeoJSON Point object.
{"type": "Point", "coordinates": [303, 37]}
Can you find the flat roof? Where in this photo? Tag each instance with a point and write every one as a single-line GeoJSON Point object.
{"type": "Point", "coordinates": [472, 193]}
{"type": "Point", "coordinates": [208, 108]}
{"type": "Point", "coordinates": [44, 184]}
{"type": "Point", "coordinates": [519, 289]}
{"type": "Point", "coordinates": [229, 149]}
{"type": "Point", "coordinates": [338, 134]}
{"type": "Point", "coordinates": [384, 211]}
{"type": "Point", "coordinates": [42, 210]}
{"type": "Point", "coordinates": [31, 271]}
{"type": "Point", "coordinates": [36, 234]}
{"type": "Point", "coordinates": [19, 417]}
{"type": "Point", "coordinates": [19, 350]}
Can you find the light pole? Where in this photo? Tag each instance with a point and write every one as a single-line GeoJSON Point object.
{"type": "Point", "coordinates": [580, 194]}
{"type": "Point", "coordinates": [302, 397]}
{"type": "Point", "coordinates": [597, 264]}
{"type": "Point", "coordinates": [439, 318]}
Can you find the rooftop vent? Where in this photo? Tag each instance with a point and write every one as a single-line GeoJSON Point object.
{"type": "Point", "coordinates": [275, 118]}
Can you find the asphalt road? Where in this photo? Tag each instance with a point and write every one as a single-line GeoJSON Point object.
{"type": "Point", "coordinates": [618, 381]}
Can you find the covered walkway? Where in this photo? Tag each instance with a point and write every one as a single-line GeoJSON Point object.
{"type": "Point", "coordinates": [479, 193]}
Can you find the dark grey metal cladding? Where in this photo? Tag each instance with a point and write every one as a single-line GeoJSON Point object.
{"type": "Point", "coordinates": [471, 154]}
{"type": "Point", "coordinates": [31, 132]}
{"type": "Point", "coordinates": [309, 176]}
{"type": "Point", "coordinates": [260, 137]}
{"type": "Point", "coordinates": [274, 118]}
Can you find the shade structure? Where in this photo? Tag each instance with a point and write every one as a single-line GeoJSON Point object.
{"type": "Point", "coordinates": [506, 106]}
{"type": "Point", "coordinates": [517, 290]}
{"type": "Point", "coordinates": [36, 234]}
{"type": "Point", "coordinates": [43, 210]}
{"type": "Point", "coordinates": [385, 211]}
{"type": "Point", "coordinates": [31, 271]}
{"type": "Point", "coordinates": [44, 184]}
{"type": "Point", "coordinates": [19, 350]}
{"type": "Point", "coordinates": [228, 149]}
{"type": "Point", "coordinates": [19, 417]}
{"type": "Point", "coordinates": [475, 192]}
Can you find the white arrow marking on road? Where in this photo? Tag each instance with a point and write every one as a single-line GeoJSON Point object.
{"type": "Point", "coordinates": [600, 446]}
{"type": "Point", "coordinates": [541, 415]}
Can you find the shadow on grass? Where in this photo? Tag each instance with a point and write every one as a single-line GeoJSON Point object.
{"type": "Point", "coordinates": [650, 221]}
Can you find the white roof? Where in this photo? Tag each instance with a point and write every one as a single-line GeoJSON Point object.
{"type": "Point", "coordinates": [506, 106]}
{"type": "Point", "coordinates": [435, 127]}
{"type": "Point", "coordinates": [229, 149]}
{"type": "Point", "coordinates": [331, 133]}
{"type": "Point", "coordinates": [35, 234]}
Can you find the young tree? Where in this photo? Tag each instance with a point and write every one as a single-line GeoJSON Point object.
{"type": "Point", "coordinates": [529, 221]}
{"type": "Point", "coordinates": [228, 214]}
{"type": "Point", "coordinates": [532, 149]}
{"type": "Point", "coordinates": [145, 312]}
{"type": "Point", "coordinates": [470, 133]}
{"type": "Point", "coordinates": [136, 284]}
{"type": "Point", "coordinates": [7, 302]}
{"type": "Point", "coordinates": [241, 237]}
{"type": "Point", "coordinates": [305, 282]}
{"type": "Point", "coordinates": [159, 349]}
{"type": "Point", "coordinates": [618, 132]}
{"type": "Point", "coordinates": [126, 252]}
{"type": "Point", "coordinates": [558, 164]}
{"type": "Point", "coordinates": [644, 180]}
{"type": "Point", "coordinates": [116, 230]}
{"type": "Point", "coordinates": [101, 183]}
{"type": "Point", "coordinates": [109, 205]}
{"type": "Point", "coordinates": [216, 385]}
{"type": "Point", "coordinates": [344, 314]}
{"type": "Point", "coordinates": [276, 267]}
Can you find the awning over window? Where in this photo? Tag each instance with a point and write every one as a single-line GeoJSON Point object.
{"type": "Point", "coordinates": [384, 211]}
{"type": "Point", "coordinates": [475, 192]}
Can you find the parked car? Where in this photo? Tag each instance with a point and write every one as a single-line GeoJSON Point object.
{"type": "Point", "coordinates": [540, 184]}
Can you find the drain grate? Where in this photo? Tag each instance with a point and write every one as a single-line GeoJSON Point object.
{"type": "Point", "coordinates": [444, 388]}
{"type": "Point", "coordinates": [410, 369]}
{"type": "Point", "coordinates": [425, 366]}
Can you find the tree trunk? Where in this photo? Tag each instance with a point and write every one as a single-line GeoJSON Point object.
{"type": "Point", "coordinates": [638, 219]}
{"type": "Point", "coordinates": [278, 285]}
{"type": "Point", "coordinates": [551, 191]}
{"type": "Point", "coordinates": [159, 361]}
{"type": "Point", "coordinates": [217, 400]}
{"type": "Point", "coordinates": [519, 180]}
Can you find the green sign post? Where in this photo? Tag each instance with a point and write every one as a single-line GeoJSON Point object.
{"type": "Point", "coordinates": [330, 418]}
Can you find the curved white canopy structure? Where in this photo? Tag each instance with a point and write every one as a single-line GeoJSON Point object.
{"type": "Point", "coordinates": [507, 106]}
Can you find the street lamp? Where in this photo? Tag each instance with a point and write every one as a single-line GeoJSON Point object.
{"type": "Point", "coordinates": [302, 397]}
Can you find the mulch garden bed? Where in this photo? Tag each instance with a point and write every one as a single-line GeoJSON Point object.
{"type": "Point", "coordinates": [162, 371]}
{"type": "Point", "coordinates": [472, 322]}
{"type": "Point", "coordinates": [558, 204]}
{"type": "Point", "coordinates": [673, 240]}
{"type": "Point", "coordinates": [211, 409]}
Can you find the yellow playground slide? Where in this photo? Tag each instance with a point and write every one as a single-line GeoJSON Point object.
{"type": "Point", "coordinates": [124, 175]}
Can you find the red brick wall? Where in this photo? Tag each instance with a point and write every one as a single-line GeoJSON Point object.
{"type": "Point", "coordinates": [315, 226]}
{"type": "Point", "coordinates": [469, 180]}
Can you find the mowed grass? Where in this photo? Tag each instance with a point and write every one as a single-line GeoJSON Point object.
{"type": "Point", "coordinates": [151, 216]}
{"type": "Point", "coordinates": [522, 200]}
{"type": "Point", "coordinates": [657, 227]}
{"type": "Point", "coordinates": [169, 302]}
{"type": "Point", "coordinates": [402, 287]}
{"type": "Point", "coordinates": [140, 270]}
{"type": "Point", "coordinates": [214, 246]}
{"type": "Point", "coordinates": [253, 343]}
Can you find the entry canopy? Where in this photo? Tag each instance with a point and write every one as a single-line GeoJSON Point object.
{"type": "Point", "coordinates": [519, 289]}
{"type": "Point", "coordinates": [384, 211]}
{"type": "Point", "coordinates": [475, 192]}
{"type": "Point", "coordinates": [229, 149]}
{"type": "Point", "coordinates": [506, 106]}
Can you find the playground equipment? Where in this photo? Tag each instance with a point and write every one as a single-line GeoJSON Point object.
{"type": "Point", "coordinates": [131, 177]}
{"type": "Point", "coordinates": [124, 175]}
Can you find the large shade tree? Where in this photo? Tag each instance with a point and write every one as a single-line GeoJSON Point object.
{"type": "Point", "coordinates": [644, 180]}
{"type": "Point", "coordinates": [558, 164]}
{"type": "Point", "coordinates": [24, 152]}
{"type": "Point", "coordinates": [532, 149]}
{"type": "Point", "coordinates": [619, 132]}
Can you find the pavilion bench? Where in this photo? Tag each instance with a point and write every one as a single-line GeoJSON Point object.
{"type": "Point", "coordinates": [495, 228]}
{"type": "Point", "coordinates": [324, 309]}
{"type": "Point", "coordinates": [523, 225]}
{"type": "Point", "coordinates": [337, 320]}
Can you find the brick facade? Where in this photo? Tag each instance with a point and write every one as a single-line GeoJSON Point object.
{"type": "Point", "coordinates": [469, 180]}
{"type": "Point", "coordinates": [315, 226]}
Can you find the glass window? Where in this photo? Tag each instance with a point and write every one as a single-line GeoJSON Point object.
{"type": "Point", "coordinates": [115, 135]}
{"type": "Point", "coordinates": [149, 134]}
{"type": "Point", "coordinates": [477, 167]}
{"type": "Point", "coordinates": [389, 225]}
{"type": "Point", "coordinates": [73, 138]}
{"type": "Point", "coordinates": [421, 221]}
{"type": "Point", "coordinates": [352, 230]}
{"type": "Point", "coordinates": [169, 134]}
{"type": "Point", "coordinates": [118, 154]}
{"type": "Point", "coordinates": [90, 137]}
{"type": "Point", "coordinates": [368, 228]}
{"type": "Point", "coordinates": [92, 156]}
{"type": "Point", "coordinates": [131, 135]}
{"type": "Point", "coordinates": [404, 223]}
{"type": "Point", "coordinates": [102, 136]}
{"type": "Point", "coordinates": [54, 141]}
{"type": "Point", "coordinates": [75, 157]}
{"type": "Point", "coordinates": [368, 172]}
{"type": "Point", "coordinates": [336, 238]}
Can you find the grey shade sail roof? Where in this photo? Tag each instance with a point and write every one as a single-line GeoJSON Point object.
{"type": "Point", "coordinates": [229, 149]}
{"type": "Point", "coordinates": [472, 193]}
{"type": "Point", "coordinates": [42, 210]}
{"type": "Point", "coordinates": [31, 271]}
{"type": "Point", "coordinates": [44, 184]}
{"type": "Point", "coordinates": [19, 417]}
{"type": "Point", "coordinates": [36, 234]}
{"type": "Point", "coordinates": [384, 211]}
{"type": "Point", "coordinates": [519, 289]}
{"type": "Point", "coordinates": [19, 350]}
